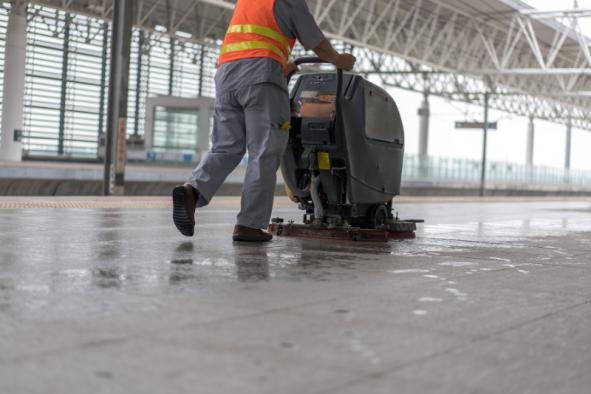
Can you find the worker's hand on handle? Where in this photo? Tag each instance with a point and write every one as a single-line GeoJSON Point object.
{"type": "Point", "coordinates": [326, 52]}
{"type": "Point", "coordinates": [345, 61]}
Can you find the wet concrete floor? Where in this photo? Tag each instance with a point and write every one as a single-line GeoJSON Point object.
{"type": "Point", "coordinates": [491, 297]}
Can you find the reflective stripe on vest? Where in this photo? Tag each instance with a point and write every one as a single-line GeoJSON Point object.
{"type": "Point", "coordinates": [249, 45]}
{"type": "Point", "coordinates": [261, 31]}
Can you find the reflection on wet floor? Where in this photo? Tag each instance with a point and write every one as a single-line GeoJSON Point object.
{"type": "Point", "coordinates": [138, 250]}
{"type": "Point", "coordinates": [107, 277]}
{"type": "Point", "coordinates": [252, 268]}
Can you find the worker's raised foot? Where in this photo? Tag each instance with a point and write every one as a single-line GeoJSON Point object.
{"type": "Point", "coordinates": [247, 234]}
{"type": "Point", "coordinates": [183, 209]}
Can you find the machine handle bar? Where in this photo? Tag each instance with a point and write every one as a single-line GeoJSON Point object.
{"type": "Point", "coordinates": [311, 60]}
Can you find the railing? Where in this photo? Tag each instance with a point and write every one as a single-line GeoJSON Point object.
{"type": "Point", "coordinates": [437, 169]}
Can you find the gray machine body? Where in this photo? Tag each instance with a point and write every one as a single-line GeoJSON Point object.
{"type": "Point", "coordinates": [362, 138]}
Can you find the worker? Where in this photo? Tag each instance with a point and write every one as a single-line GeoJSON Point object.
{"type": "Point", "coordinates": [251, 111]}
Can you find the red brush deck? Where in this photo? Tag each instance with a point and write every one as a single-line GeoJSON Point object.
{"type": "Point", "coordinates": [337, 233]}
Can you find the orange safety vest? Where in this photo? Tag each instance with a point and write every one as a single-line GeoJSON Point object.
{"type": "Point", "coordinates": [254, 33]}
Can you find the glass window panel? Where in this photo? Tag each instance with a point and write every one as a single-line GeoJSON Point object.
{"type": "Point", "coordinates": [175, 129]}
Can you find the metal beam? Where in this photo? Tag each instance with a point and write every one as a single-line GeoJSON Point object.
{"type": "Point", "coordinates": [64, 85]}
{"type": "Point", "coordinates": [582, 13]}
{"type": "Point", "coordinates": [551, 106]}
{"type": "Point", "coordinates": [171, 65]}
{"type": "Point", "coordinates": [201, 70]}
{"type": "Point", "coordinates": [102, 98]}
{"type": "Point", "coordinates": [138, 82]}
{"type": "Point", "coordinates": [537, 54]}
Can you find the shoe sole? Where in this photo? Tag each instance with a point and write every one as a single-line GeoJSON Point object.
{"type": "Point", "coordinates": [180, 216]}
{"type": "Point", "coordinates": [241, 239]}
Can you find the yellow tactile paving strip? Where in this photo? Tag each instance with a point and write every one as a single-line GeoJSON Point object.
{"type": "Point", "coordinates": [133, 202]}
{"type": "Point", "coordinates": [80, 203]}
{"type": "Point", "coordinates": [110, 202]}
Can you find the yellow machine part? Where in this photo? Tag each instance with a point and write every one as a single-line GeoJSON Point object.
{"type": "Point", "coordinates": [323, 160]}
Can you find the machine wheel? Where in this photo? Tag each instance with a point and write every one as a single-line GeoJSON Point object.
{"type": "Point", "coordinates": [377, 216]}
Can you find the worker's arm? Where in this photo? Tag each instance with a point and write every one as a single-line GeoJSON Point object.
{"type": "Point", "coordinates": [326, 52]}
{"type": "Point", "coordinates": [296, 21]}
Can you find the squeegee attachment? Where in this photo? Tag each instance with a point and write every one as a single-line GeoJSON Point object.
{"type": "Point", "coordinates": [395, 230]}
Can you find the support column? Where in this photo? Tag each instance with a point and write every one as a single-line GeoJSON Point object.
{"type": "Point", "coordinates": [424, 115]}
{"type": "Point", "coordinates": [484, 146]}
{"type": "Point", "coordinates": [529, 159]}
{"type": "Point", "coordinates": [569, 138]}
{"type": "Point", "coordinates": [114, 175]}
{"type": "Point", "coordinates": [14, 84]}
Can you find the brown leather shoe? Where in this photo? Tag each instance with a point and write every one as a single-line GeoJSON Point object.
{"type": "Point", "coordinates": [247, 234]}
{"type": "Point", "coordinates": [183, 209]}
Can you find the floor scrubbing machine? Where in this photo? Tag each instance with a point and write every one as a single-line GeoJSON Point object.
{"type": "Point", "coordinates": [343, 162]}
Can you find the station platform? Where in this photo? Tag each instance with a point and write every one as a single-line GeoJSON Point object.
{"type": "Point", "coordinates": [50, 178]}
{"type": "Point", "coordinates": [40, 178]}
{"type": "Point", "coordinates": [103, 295]}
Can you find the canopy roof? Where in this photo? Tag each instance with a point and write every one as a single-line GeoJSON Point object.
{"type": "Point", "coordinates": [507, 46]}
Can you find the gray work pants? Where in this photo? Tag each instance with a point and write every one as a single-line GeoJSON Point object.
{"type": "Point", "coordinates": [246, 119]}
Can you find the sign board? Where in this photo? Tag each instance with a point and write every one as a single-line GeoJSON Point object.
{"type": "Point", "coordinates": [475, 125]}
